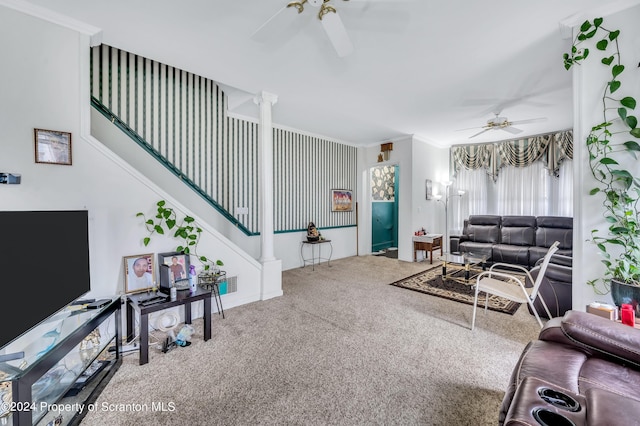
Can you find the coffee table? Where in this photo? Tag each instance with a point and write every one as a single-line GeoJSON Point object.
{"type": "Point", "coordinates": [461, 262]}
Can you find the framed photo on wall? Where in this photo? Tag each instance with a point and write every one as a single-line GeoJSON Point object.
{"type": "Point", "coordinates": [52, 147]}
{"type": "Point", "coordinates": [139, 273]}
{"type": "Point", "coordinates": [429, 189]}
{"type": "Point", "coordinates": [341, 200]}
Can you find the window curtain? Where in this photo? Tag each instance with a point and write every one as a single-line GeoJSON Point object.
{"type": "Point", "coordinates": [551, 149]}
{"type": "Point", "coordinates": [532, 176]}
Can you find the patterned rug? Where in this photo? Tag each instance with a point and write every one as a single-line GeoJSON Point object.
{"type": "Point", "coordinates": [430, 282]}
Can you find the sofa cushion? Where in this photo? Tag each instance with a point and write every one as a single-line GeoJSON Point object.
{"type": "Point", "coordinates": [554, 228]}
{"type": "Point", "coordinates": [518, 230]}
{"type": "Point", "coordinates": [515, 254]}
{"type": "Point", "coordinates": [484, 229]}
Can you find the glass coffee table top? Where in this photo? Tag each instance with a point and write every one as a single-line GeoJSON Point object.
{"type": "Point", "coordinates": [463, 258]}
{"type": "Point", "coordinates": [453, 263]}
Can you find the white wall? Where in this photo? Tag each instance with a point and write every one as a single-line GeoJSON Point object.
{"type": "Point", "coordinates": [589, 83]}
{"type": "Point", "coordinates": [44, 84]}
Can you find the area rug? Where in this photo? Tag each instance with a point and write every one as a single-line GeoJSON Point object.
{"type": "Point", "coordinates": [430, 282]}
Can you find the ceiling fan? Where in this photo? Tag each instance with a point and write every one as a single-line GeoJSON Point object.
{"type": "Point", "coordinates": [502, 123]}
{"type": "Point", "coordinates": [328, 16]}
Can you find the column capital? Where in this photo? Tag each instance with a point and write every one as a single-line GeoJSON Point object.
{"type": "Point", "coordinates": [263, 97]}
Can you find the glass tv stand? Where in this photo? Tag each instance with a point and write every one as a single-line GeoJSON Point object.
{"type": "Point", "coordinates": [45, 383]}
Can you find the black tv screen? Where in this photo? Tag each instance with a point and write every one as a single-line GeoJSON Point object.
{"type": "Point", "coordinates": [44, 264]}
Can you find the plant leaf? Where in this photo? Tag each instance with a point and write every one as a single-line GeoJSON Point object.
{"type": "Point", "coordinates": [617, 70]}
{"type": "Point", "coordinates": [622, 113]}
{"type": "Point", "coordinates": [602, 45]}
{"type": "Point", "coordinates": [607, 61]}
{"type": "Point", "coordinates": [635, 132]}
{"type": "Point", "coordinates": [628, 102]}
{"type": "Point", "coordinates": [614, 85]}
{"type": "Point", "coordinates": [146, 241]}
{"type": "Point", "coordinates": [608, 160]}
{"type": "Point", "coordinates": [632, 121]}
{"type": "Point", "coordinates": [585, 26]}
{"type": "Point", "coordinates": [594, 191]}
{"type": "Point", "coordinates": [614, 35]}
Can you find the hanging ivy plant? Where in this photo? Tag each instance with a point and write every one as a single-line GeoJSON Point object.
{"type": "Point", "coordinates": [185, 230]}
{"type": "Point", "coordinates": [615, 137]}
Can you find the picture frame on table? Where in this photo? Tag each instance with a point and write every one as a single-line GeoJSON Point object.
{"type": "Point", "coordinates": [341, 200]}
{"type": "Point", "coordinates": [52, 147]}
{"type": "Point", "coordinates": [139, 273]}
{"type": "Point", "coordinates": [174, 266]}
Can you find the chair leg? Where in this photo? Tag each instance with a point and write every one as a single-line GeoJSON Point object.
{"type": "Point", "coordinates": [475, 304]}
{"type": "Point", "coordinates": [535, 312]}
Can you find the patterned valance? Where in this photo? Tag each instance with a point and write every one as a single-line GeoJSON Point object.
{"type": "Point", "coordinates": [551, 149]}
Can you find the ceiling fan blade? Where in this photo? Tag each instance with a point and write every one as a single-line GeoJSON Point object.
{"type": "Point", "coordinates": [337, 34]}
{"type": "Point", "coordinates": [479, 133]}
{"type": "Point", "coordinates": [511, 130]}
{"type": "Point", "coordinates": [278, 23]}
{"type": "Point", "coordinates": [531, 120]}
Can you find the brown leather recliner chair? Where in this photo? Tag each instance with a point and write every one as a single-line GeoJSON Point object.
{"type": "Point", "coordinates": [583, 368]}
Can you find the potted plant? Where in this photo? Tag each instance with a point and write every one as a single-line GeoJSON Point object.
{"type": "Point", "coordinates": [611, 144]}
{"type": "Point", "coordinates": [185, 230]}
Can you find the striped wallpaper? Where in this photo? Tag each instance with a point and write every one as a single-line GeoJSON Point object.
{"type": "Point", "coordinates": [181, 119]}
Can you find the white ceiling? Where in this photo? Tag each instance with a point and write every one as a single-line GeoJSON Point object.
{"type": "Point", "coordinates": [422, 67]}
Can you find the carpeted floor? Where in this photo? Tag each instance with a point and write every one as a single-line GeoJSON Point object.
{"type": "Point", "coordinates": [431, 282]}
{"type": "Point", "coordinates": [341, 347]}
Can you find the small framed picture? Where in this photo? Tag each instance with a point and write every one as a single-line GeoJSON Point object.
{"type": "Point", "coordinates": [139, 273]}
{"type": "Point", "coordinates": [177, 265]}
{"type": "Point", "coordinates": [52, 147]}
{"type": "Point", "coordinates": [341, 200]}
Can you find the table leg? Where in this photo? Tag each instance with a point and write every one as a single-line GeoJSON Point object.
{"type": "Point", "coordinates": [467, 273]}
{"type": "Point", "coordinates": [130, 314]}
{"type": "Point", "coordinates": [187, 313]}
{"type": "Point", "coordinates": [444, 270]}
{"type": "Point", "coordinates": [207, 318]}
{"type": "Point", "coordinates": [144, 339]}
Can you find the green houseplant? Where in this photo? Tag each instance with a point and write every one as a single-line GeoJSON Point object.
{"type": "Point", "coordinates": [611, 144]}
{"type": "Point", "coordinates": [185, 230]}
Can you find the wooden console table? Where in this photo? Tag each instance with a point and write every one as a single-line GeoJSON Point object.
{"type": "Point", "coordinates": [427, 243]}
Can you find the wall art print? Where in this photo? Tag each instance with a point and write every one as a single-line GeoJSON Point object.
{"type": "Point", "coordinates": [383, 183]}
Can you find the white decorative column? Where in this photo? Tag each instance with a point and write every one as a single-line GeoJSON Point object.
{"type": "Point", "coordinates": [271, 267]}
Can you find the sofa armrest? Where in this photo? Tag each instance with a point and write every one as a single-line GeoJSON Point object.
{"type": "Point", "coordinates": [597, 335]}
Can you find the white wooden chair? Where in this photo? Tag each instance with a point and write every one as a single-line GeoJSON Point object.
{"type": "Point", "coordinates": [488, 283]}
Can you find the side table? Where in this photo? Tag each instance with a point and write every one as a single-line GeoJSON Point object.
{"type": "Point", "coordinates": [185, 297]}
{"type": "Point", "coordinates": [312, 259]}
{"type": "Point", "coordinates": [427, 243]}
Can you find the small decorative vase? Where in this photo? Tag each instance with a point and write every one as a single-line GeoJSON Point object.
{"type": "Point", "coordinates": [623, 293]}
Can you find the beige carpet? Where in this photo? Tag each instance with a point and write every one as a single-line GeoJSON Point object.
{"type": "Point", "coordinates": [341, 347]}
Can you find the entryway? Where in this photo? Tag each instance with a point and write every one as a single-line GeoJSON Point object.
{"type": "Point", "coordinates": [384, 209]}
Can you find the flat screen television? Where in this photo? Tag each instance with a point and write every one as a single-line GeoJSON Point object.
{"type": "Point", "coordinates": [44, 265]}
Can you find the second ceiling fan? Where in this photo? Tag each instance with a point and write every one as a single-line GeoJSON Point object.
{"type": "Point", "coordinates": [502, 123]}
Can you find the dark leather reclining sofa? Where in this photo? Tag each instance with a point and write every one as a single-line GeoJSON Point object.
{"type": "Point", "coordinates": [524, 240]}
{"type": "Point", "coordinates": [582, 370]}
